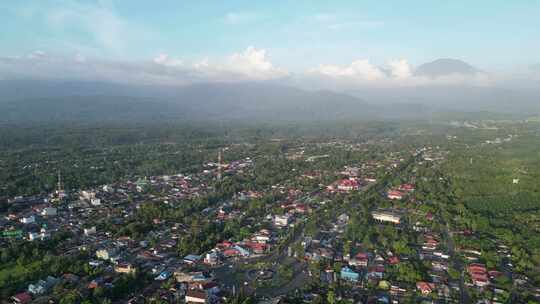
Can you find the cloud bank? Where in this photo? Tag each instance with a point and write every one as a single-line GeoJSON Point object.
{"type": "Point", "coordinates": [250, 64]}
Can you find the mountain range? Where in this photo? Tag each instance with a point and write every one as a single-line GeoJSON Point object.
{"type": "Point", "coordinates": [84, 101]}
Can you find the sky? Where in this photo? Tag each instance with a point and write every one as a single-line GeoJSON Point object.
{"type": "Point", "coordinates": [179, 41]}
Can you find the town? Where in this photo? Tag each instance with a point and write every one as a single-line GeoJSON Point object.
{"type": "Point", "coordinates": [335, 221]}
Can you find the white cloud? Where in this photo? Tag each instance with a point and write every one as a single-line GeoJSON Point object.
{"type": "Point", "coordinates": [37, 54]}
{"type": "Point", "coordinates": [358, 69]}
{"type": "Point", "coordinates": [400, 68]}
{"type": "Point", "coordinates": [164, 59]}
{"type": "Point", "coordinates": [396, 73]}
{"type": "Point", "coordinates": [252, 63]}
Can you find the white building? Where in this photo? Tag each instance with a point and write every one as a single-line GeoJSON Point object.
{"type": "Point", "coordinates": [282, 220]}
{"type": "Point", "coordinates": [28, 220]}
{"type": "Point", "coordinates": [88, 195]}
{"type": "Point", "coordinates": [49, 211]}
{"type": "Point", "coordinates": [106, 254]}
{"type": "Point", "coordinates": [95, 202]}
{"type": "Point", "coordinates": [90, 231]}
{"type": "Point", "coordinates": [386, 216]}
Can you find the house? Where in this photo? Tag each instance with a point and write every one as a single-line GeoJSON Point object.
{"type": "Point", "coordinates": [393, 260]}
{"type": "Point", "coordinates": [348, 274]}
{"type": "Point", "coordinates": [361, 259]}
{"type": "Point", "coordinates": [406, 187]}
{"type": "Point", "coordinates": [212, 258]}
{"type": "Point", "coordinates": [164, 275]}
{"type": "Point", "coordinates": [28, 220]}
{"type": "Point", "coordinates": [478, 273]}
{"type": "Point", "coordinates": [192, 258]}
{"type": "Point", "coordinates": [262, 236]}
{"type": "Point", "coordinates": [257, 248]}
{"type": "Point", "coordinates": [351, 184]}
{"type": "Point", "coordinates": [183, 277]}
{"type": "Point", "coordinates": [395, 195]}
{"type": "Point", "coordinates": [42, 286]}
{"type": "Point", "coordinates": [282, 220]}
{"type": "Point", "coordinates": [211, 288]}
{"type": "Point", "coordinates": [95, 202]}
{"type": "Point", "coordinates": [22, 298]}
{"type": "Point", "coordinates": [33, 236]}
{"type": "Point", "coordinates": [125, 268]}
{"type": "Point", "coordinates": [196, 296]}
{"type": "Point", "coordinates": [425, 288]}
{"type": "Point", "coordinates": [242, 251]}
{"type": "Point", "coordinates": [376, 272]}
{"type": "Point", "coordinates": [89, 231]}
{"type": "Point", "coordinates": [106, 253]}
{"type": "Point", "coordinates": [327, 276]}
{"type": "Point", "coordinates": [386, 216]}
{"type": "Point", "coordinates": [49, 211]}
{"type": "Point", "coordinates": [231, 252]}
{"type": "Point", "coordinates": [398, 289]}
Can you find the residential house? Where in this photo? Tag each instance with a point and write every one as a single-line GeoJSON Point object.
{"type": "Point", "coordinates": [196, 296]}
{"type": "Point", "coordinates": [282, 220]}
{"type": "Point", "coordinates": [349, 275]}
{"type": "Point", "coordinates": [425, 288]}
{"type": "Point", "coordinates": [125, 268]}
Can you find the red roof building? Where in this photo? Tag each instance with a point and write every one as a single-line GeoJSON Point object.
{"type": "Point", "coordinates": [22, 298]}
{"type": "Point", "coordinates": [395, 195]}
{"type": "Point", "coordinates": [425, 288]}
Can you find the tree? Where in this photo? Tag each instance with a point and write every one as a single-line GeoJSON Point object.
{"type": "Point", "coordinates": [331, 297]}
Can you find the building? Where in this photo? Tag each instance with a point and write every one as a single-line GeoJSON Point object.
{"type": "Point", "coordinates": [22, 298]}
{"type": "Point", "coordinates": [282, 220]}
{"type": "Point", "coordinates": [478, 273]}
{"type": "Point", "coordinates": [395, 195]}
{"type": "Point", "coordinates": [42, 286]}
{"type": "Point", "coordinates": [189, 277]}
{"type": "Point", "coordinates": [95, 202]}
{"type": "Point", "coordinates": [28, 220]}
{"type": "Point", "coordinates": [49, 211]}
{"type": "Point", "coordinates": [386, 216]}
{"type": "Point", "coordinates": [192, 258]}
{"type": "Point", "coordinates": [351, 184]}
{"type": "Point", "coordinates": [125, 268]}
{"type": "Point", "coordinates": [361, 259]}
{"type": "Point", "coordinates": [212, 258]}
{"type": "Point", "coordinates": [196, 296]}
{"type": "Point", "coordinates": [348, 274]}
{"type": "Point", "coordinates": [425, 288]}
{"type": "Point", "coordinates": [89, 231]}
{"type": "Point", "coordinates": [106, 254]}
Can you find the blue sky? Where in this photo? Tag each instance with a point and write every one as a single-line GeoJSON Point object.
{"type": "Point", "coordinates": [296, 36]}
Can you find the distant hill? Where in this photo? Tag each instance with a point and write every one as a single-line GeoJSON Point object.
{"type": "Point", "coordinates": [445, 67]}
{"type": "Point", "coordinates": [89, 102]}
{"type": "Point", "coordinates": [79, 101]}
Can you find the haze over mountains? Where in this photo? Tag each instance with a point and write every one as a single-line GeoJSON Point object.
{"type": "Point", "coordinates": [25, 100]}
{"type": "Point", "coordinates": [444, 67]}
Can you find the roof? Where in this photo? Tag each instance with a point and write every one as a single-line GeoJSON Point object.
{"type": "Point", "coordinates": [22, 297]}
{"type": "Point", "coordinates": [193, 293]}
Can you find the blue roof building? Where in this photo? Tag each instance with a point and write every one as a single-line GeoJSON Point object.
{"type": "Point", "coordinates": [349, 274]}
